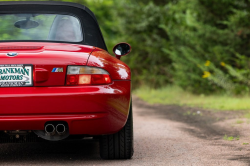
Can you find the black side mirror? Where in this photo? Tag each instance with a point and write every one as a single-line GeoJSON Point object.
{"type": "Point", "coordinates": [121, 49]}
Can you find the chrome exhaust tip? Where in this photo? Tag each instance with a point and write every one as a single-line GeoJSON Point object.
{"type": "Point", "coordinates": [50, 129]}
{"type": "Point", "coordinates": [54, 131]}
{"type": "Point", "coordinates": [60, 129]}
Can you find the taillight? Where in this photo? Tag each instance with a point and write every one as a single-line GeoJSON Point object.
{"type": "Point", "coordinates": [84, 75]}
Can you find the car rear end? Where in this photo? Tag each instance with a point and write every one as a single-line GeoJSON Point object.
{"type": "Point", "coordinates": [62, 87]}
{"type": "Point", "coordinates": [57, 79]}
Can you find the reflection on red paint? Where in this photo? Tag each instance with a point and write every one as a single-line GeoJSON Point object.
{"type": "Point", "coordinates": [117, 69]}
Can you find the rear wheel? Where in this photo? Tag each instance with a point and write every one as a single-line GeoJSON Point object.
{"type": "Point", "coordinates": [119, 145]}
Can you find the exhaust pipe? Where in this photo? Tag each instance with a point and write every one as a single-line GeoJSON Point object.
{"type": "Point", "coordinates": [54, 131]}
{"type": "Point", "coordinates": [50, 129]}
{"type": "Point", "coordinates": [60, 129]}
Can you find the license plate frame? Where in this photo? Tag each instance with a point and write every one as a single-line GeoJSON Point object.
{"type": "Point", "coordinates": [16, 75]}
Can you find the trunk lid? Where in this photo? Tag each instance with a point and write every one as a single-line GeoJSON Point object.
{"type": "Point", "coordinates": [49, 60]}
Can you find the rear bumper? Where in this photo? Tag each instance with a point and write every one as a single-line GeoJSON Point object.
{"type": "Point", "coordinates": [93, 110]}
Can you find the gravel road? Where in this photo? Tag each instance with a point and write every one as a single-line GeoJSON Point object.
{"type": "Point", "coordinates": [164, 135]}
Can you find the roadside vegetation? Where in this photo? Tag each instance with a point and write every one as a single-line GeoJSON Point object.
{"type": "Point", "coordinates": [178, 96]}
{"type": "Point", "coordinates": [231, 138]}
{"type": "Point", "coordinates": [192, 52]}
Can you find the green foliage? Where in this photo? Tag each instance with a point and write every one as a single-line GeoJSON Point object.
{"type": "Point", "coordinates": [207, 45]}
{"type": "Point", "coordinates": [230, 138]}
{"type": "Point", "coordinates": [200, 45]}
{"type": "Point", "coordinates": [140, 25]}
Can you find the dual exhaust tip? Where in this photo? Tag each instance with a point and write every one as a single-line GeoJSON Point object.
{"type": "Point", "coordinates": [51, 129]}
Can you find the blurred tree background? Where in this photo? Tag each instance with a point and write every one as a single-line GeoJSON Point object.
{"type": "Point", "coordinates": [200, 45]}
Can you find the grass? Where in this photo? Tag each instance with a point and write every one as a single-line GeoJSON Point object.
{"type": "Point", "coordinates": [231, 138]}
{"type": "Point", "coordinates": [239, 121]}
{"type": "Point", "coordinates": [175, 95]}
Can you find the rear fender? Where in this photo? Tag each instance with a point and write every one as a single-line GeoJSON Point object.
{"type": "Point", "coordinates": [117, 69]}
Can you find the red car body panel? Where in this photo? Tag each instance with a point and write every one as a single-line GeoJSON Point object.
{"type": "Point", "coordinates": [93, 110]}
{"type": "Point", "coordinates": [117, 69]}
{"type": "Point", "coordinates": [45, 58]}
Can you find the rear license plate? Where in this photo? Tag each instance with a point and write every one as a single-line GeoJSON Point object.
{"type": "Point", "coordinates": [16, 75]}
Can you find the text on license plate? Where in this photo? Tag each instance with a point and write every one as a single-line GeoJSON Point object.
{"type": "Point", "coordinates": [16, 75]}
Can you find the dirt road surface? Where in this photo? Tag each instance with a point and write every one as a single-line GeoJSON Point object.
{"type": "Point", "coordinates": [164, 135]}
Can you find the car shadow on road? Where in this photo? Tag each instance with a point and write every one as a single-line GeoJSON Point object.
{"type": "Point", "coordinates": [50, 152]}
{"type": "Point", "coordinates": [198, 122]}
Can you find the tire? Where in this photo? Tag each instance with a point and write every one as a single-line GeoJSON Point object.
{"type": "Point", "coordinates": [121, 144]}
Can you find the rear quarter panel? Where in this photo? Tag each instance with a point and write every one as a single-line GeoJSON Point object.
{"type": "Point", "coordinates": [117, 69]}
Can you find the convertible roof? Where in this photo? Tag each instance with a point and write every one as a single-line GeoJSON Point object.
{"type": "Point", "coordinates": [49, 3]}
{"type": "Point", "coordinates": [59, 6]}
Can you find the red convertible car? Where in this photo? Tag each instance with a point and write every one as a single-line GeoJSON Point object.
{"type": "Point", "coordinates": [58, 81]}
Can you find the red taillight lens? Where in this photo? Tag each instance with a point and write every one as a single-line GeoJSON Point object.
{"type": "Point", "coordinates": [100, 79]}
{"type": "Point", "coordinates": [86, 75]}
{"type": "Point", "coordinates": [72, 79]}
{"type": "Point", "coordinates": [88, 79]}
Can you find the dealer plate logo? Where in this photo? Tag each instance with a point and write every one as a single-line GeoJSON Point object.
{"type": "Point", "coordinates": [12, 54]}
{"type": "Point", "coordinates": [16, 75]}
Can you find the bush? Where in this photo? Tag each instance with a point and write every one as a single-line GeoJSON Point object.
{"type": "Point", "coordinates": [207, 45]}
{"type": "Point", "coordinates": [140, 25]}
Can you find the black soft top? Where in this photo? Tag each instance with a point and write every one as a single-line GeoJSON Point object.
{"type": "Point", "coordinates": [93, 35]}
